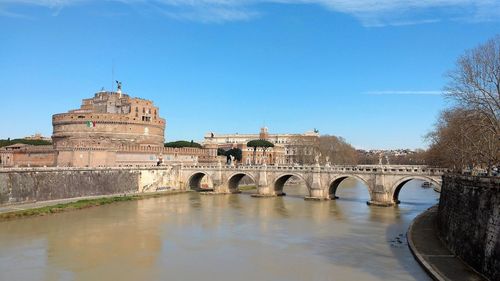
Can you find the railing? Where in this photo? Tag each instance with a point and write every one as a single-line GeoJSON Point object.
{"type": "Point", "coordinates": [392, 169]}
{"type": "Point", "coordinates": [90, 169]}
{"type": "Point", "coordinates": [366, 169]}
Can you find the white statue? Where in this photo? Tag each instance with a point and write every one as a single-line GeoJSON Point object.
{"type": "Point", "coordinates": [316, 158]}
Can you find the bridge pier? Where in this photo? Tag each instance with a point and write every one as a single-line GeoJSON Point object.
{"type": "Point", "coordinates": [381, 195]}
{"type": "Point", "coordinates": [318, 194]}
{"type": "Point", "coordinates": [381, 198]}
{"type": "Point", "coordinates": [263, 188]}
{"type": "Point", "coordinates": [222, 189]}
{"type": "Point", "coordinates": [316, 191]}
{"type": "Point", "coordinates": [264, 191]}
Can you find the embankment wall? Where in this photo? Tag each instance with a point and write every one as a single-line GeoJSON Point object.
{"type": "Point", "coordinates": [469, 221]}
{"type": "Point", "coordinates": [41, 184]}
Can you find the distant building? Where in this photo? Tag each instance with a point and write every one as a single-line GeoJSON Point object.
{"type": "Point", "coordinates": [24, 155]}
{"type": "Point", "coordinates": [37, 137]}
{"type": "Point", "coordinates": [288, 148]}
{"type": "Point", "coordinates": [110, 129]}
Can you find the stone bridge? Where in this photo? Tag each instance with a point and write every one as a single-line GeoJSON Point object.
{"type": "Point", "coordinates": [382, 181]}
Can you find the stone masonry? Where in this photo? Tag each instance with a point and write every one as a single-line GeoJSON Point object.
{"type": "Point", "coordinates": [469, 221]}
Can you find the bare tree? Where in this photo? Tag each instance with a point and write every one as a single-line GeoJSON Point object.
{"type": "Point", "coordinates": [470, 134]}
{"type": "Point", "coordinates": [337, 150]}
{"type": "Point", "coordinates": [462, 140]}
{"type": "Point", "coordinates": [475, 83]}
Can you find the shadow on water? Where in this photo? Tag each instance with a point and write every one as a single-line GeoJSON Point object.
{"type": "Point", "coordinates": [234, 201]}
{"type": "Point", "coordinates": [280, 207]}
{"type": "Point", "coordinates": [416, 204]}
{"type": "Point", "coordinates": [354, 200]}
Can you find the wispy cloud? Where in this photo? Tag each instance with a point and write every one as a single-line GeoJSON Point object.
{"type": "Point", "coordinates": [405, 93]}
{"type": "Point", "coordinates": [5, 13]}
{"type": "Point", "coordinates": [371, 13]}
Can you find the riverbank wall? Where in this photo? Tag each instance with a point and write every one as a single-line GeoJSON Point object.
{"type": "Point", "coordinates": [468, 221]}
{"type": "Point", "coordinates": [26, 185]}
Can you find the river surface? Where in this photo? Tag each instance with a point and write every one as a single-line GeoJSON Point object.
{"type": "Point", "coordinates": [222, 237]}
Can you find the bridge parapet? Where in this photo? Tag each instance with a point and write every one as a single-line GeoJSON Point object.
{"type": "Point", "coordinates": [334, 168]}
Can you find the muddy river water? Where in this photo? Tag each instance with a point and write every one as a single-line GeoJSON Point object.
{"type": "Point", "coordinates": [220, 237]}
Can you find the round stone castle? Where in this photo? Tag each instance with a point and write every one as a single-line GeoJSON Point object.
{"type": "Point", "coordinates": [109, 120]}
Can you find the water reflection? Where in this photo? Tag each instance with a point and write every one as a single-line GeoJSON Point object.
{"type": "Point", "coordinates": [193, 236]}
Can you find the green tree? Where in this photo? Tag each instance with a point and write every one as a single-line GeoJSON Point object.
{"type": "Point", "coordinates": [9, 141]}
{"type": "Point", "coordinates": [183, 143]}
{"type": "Point", "coordinates": [236, 153]}
{"type": "Point", "coordinates": [264, 144]}
{"type": "Point", "coordinates": [221, 152]}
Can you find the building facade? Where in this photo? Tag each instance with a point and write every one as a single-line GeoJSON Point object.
{"type": "Point", "coordinates": [288, 149]}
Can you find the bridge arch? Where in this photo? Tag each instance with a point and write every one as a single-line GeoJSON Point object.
{"type": "Point", "coordinates": [195, 179]}
{"type": "Point", "coordinates": [335, 182]}
{"type": "Point", "coordinates": [234, 179]}
{"type": "Point", "coordinates": [281, 179]}
{"type": "Point", "coordinates": [399, 185]}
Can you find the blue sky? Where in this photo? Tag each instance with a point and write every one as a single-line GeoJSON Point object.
{"type": "Point", "coordinates": [369, 71]}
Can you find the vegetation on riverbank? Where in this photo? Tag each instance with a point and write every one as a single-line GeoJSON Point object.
{"type": "Point", "coordinates": [78, 205]}
{"type": "Point", "coordinates": [247, 187]}
{"type": "Point", "coordinates": [8, 142]}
